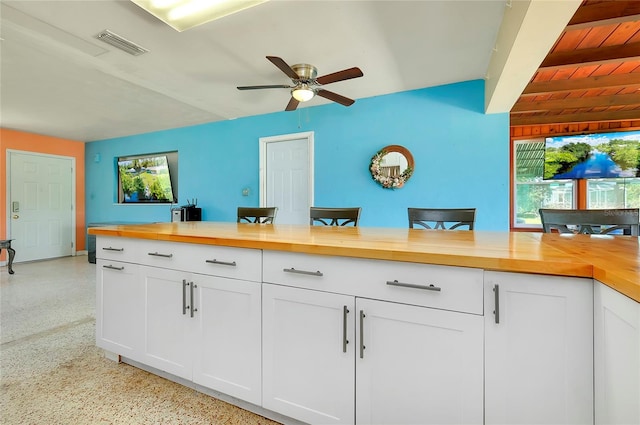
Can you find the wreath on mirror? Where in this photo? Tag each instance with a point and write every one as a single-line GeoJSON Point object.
{"type": "Point", "coordinates": [388, 182]}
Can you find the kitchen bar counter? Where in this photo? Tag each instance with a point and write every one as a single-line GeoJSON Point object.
{"type": "Point", "coordinates": [614, 261]}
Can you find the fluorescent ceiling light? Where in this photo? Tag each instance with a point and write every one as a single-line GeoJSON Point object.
{"type": "Point", "coordinates": [184, 14]}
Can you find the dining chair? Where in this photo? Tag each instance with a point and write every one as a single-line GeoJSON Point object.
{"type": "Point", "coordinates": [442, 218]}
{"type": "Point", "coordinates": [623, 221]}
{"type": "Point", "coordinates": [260, 215]}
{"type": "Point", "coordinates": [334, 216]}
{"type": "Point", "coordinates": [6, 244]}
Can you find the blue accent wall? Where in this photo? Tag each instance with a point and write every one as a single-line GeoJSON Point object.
{"type": "Point", "coordinates": [461, 157]}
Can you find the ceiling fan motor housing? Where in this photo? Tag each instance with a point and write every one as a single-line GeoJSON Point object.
{"type": "Point", "coordinates": [305, 71]}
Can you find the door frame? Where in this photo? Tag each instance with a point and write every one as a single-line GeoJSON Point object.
{"type": "Point", "coordinates": [263, 141]}
{"type": "Point", "coordinates": [10, 153]}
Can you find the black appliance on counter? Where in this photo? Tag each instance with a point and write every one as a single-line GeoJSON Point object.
{"type": "Point", "coordinates": [187, 212]}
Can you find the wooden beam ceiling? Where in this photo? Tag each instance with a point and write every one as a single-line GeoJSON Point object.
{"type": "Point", "coordinates": [592, 74]}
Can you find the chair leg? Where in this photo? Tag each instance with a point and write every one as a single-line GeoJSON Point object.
{"type": "Point", "coordinates": [12, 254]}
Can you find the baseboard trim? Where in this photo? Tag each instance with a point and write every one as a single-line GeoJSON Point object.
{"type": "Point", "coordinates": [258, 410]}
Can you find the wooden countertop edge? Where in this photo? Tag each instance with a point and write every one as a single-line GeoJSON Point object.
{"type": "Point", "coordinates": [623, 286]}
{"type": "Point", "coordinates": [577, 268]}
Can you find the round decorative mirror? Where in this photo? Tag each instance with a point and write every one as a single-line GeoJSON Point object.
{"type": "Point", "coordinates": [392, 166]}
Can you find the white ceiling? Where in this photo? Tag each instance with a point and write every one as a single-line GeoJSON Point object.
{"type": "Point", "coordinates": [58, 80]}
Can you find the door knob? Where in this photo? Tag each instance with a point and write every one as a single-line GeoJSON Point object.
{"type": "Point", "coordinates": [16, 216]}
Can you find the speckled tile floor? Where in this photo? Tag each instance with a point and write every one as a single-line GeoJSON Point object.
{"type": "Point", "coordinates": [52, 373]}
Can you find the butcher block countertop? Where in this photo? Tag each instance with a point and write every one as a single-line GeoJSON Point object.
{"type": "Point", "coordinates": [613, 260]}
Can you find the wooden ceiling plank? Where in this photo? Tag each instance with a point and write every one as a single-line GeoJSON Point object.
{"type": "Point", "coordinates": [628, 67]}
{"type": "Point", "coordinates": [570, 40]}
{"type": "Point", "coordinates": [573, 118]}
{"type": "Point", "coordinates": [590, 56]}
{"type": "Point", "coordinates": [600, 81]}
{"type": "Point", "coordinates": [606, 69]}
{"type": "Point", "coordinates": [584, 71]}
{"type": "Point", "coordinates": [623, 33]}
{"type": "Point", "coordinates": [604, 22]}
{"type": "Point", "coordinates": [592, 13]}
{"type": "Point", "coordinates": [597, 37]}
{"type": "Point", "coordinates": [578, 102]}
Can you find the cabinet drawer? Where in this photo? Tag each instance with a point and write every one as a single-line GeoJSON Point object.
{"type": "Point", "coordinates": [118, 249]}
{"type": "Point", "coordinates": [443, 287]}
{"type": "Point", "coordinates": [234, 263]}
{"type": "Point", "coordinates": [168, 255]}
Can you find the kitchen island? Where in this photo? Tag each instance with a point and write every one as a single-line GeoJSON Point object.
{"type": "Point", "coordinates": [455, 327]}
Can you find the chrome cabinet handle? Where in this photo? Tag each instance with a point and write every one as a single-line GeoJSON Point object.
{"type": "Point", "coordinates": [345, 341]}
{"type": "Point", "coordinates": [413, 285]}
{"type": "Point", "coordinates": [113, 249]}
{"type": "Point", "coordinates": [193, 306]}
{"type": "Point", "coordinates": [113, 267]}
{"type": "Point", "coordinates": [496, 298]}
{"type": "Point", "coordinates": [224, 263]}
{"type": "Point", "coordinates": [184, 296]}
{"type": "Point", "coordinates": [292, 270]}
{"type": "Point", "coordinates": [362, 347]}
{"type": "Point", "coordinates": [156, 254]}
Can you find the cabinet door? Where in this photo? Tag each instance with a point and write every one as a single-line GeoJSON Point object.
{"type": "Point", "coordinates": [119, 306]}
{"type": "Point", "coordinates": [538, 349]}
{"type": "Point", "coordinates": [418, 365]}
{"type": "Point", "coordinates": [168, 325]}
{"type": "Point", "coordinates": [227, 349]}
{"type": "Point", "coordinates": [308, 354]}
{"type": "Point", "coordinates": [617, 357]}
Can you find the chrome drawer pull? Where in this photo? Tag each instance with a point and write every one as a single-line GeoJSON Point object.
{"type": "Point", "coordinates": [345, 341]}
{"type": "Point", "coordinates": [156, 254]}
{"type": "Point", "coordinates": [412, 285]}
{"type": "Point", "coordinates": [193, 305]}
{"type": "Point", "coordinates": [224, 263]}
{"type": "Point", "coordinates": [113, 249]}
{"type": "Point", "coordinates": [113, 267]}
{"type": "Point", "coordinates": [292, 270]}
{"type": "Point", "coordinates": [496, 299]}
{"type": "Point", "coordinates": [362, 346]}
{"type": "Point", "coordinates": [184, 296]}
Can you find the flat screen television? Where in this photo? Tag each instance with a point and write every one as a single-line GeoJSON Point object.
{"type": "Point", "coordinates": [592, 156]}
{"type": "Point", "coordinates": [145, 179]}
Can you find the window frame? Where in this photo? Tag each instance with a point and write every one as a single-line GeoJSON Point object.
{"type": "Point", "coordinates": [514, 225]}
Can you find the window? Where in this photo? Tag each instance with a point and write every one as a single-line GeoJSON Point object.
{"type": "Point", "coordinates": [531, 192]}
{"type": "Point", "coordinates": [613, 193]}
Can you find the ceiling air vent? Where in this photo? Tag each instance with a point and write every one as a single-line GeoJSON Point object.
{"type": "Point", "coordinates": [121, 43]}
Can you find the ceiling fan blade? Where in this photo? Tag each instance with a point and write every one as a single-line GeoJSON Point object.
{"type": "Point", "coordinates": [292, 105]}
{"type": "Point", "coordinates": [278, 86]}
{"type": "Point", "coordinates": [345, 74]}
{"type": "Point", "coordinates": [335, 97]}
{"type": "Point", "coordinates": [283, 66]}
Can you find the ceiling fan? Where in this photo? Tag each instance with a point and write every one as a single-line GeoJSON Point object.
{"type": "Point", "coordinates": [306, 84]}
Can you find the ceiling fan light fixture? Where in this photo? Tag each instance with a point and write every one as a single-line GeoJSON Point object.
{"type": "Point", "coordinates": [184, 14]}
{"type": "Point", "coordinates": [302, 93]}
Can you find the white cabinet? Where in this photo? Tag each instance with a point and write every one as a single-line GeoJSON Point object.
{"type": "Point", "coordinates": [227, 342]}
{"type": "Point", "coordinates": [168, 324]}
{"type": "Point", "coordinates": [308, 368]}
{"type": "Point", "coordinates": [201, 327]}
{"type": "Point", "coordinates": [344, 358]}
{"type": "Point", "coordinates": [418, 365]}
{"type": "Point", "coordinates": [538, 349]}
{"type": "Point", "coordinates": [617, 357]}
{"type": "Point", "coordinates": [119, 308]}
{"type": "Point", "coordinates": [205, 329]}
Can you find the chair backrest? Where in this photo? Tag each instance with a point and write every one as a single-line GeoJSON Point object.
{"type": "Point", "coordinates": [624, 220]}
{"type": "Point", "coordinates": [334, 216]}
{"type": "Point", "coordinates": [439, 218]}
{"type": "Point", "coordinates": [261, 215]}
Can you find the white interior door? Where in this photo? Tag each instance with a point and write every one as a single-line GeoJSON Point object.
{"type": "Point", "coordinates": [40, 205]}
{"type": "Point", "coordinates": [286, 176]}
